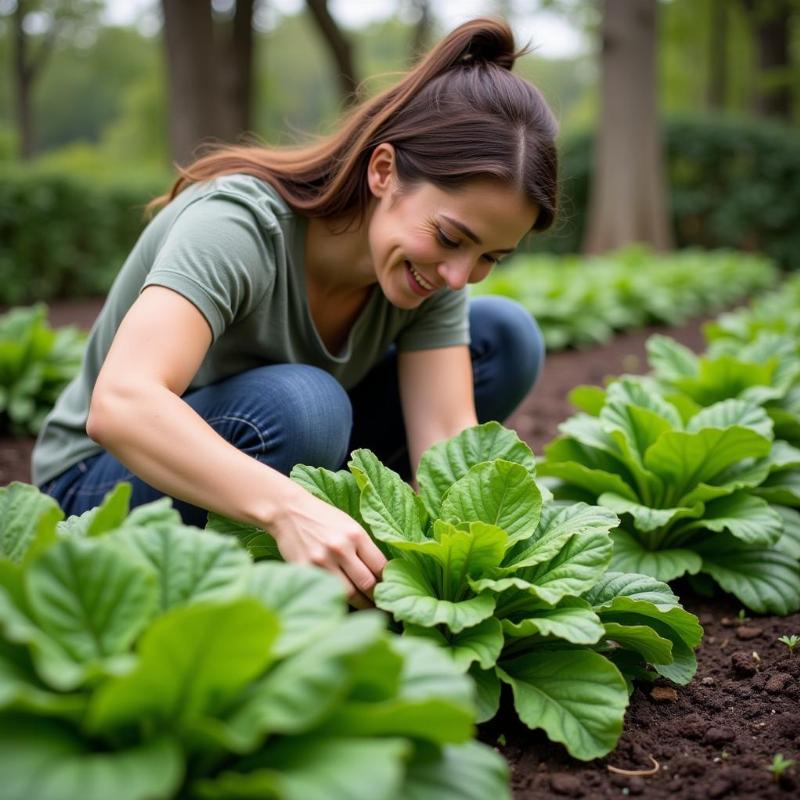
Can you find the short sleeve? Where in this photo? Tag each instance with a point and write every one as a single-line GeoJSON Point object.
{"type": "Point", "coordinates": [441, 321]}
{"type": "Point", "coordinates": [218, 256]}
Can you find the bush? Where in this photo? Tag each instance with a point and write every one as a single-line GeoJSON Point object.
{"type": "Point", "coordinates": [63, 235]}
{"type": "Point", "coordinates": [733, 183]}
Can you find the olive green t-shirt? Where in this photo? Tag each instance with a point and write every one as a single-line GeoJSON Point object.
{"type": "Point", "coordinates": [233, 248]}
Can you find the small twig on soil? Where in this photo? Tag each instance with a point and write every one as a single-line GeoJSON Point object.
{"type": "Point", "coordinates": [635, 772]}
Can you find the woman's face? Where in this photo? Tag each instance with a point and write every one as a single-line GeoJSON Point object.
{"type": "Point", "coordinates": [423, 238]}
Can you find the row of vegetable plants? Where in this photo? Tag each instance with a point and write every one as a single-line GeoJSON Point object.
{"type": "Point", "coordinates": [583, 301]}
{"type": "Point", "coordinates": [700, 458]}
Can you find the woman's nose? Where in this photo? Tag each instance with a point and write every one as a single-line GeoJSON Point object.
{"type": "Point", "coordinates": [455, 272]}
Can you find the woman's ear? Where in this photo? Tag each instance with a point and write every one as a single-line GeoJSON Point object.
{"type": "Point", "coordinates": [381, 175]}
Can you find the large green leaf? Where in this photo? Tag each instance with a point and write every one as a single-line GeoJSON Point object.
{"type": "Point", "coordinates": [558, 522]}
{"type": "Point", "coordinates": [496, 492]}
{"type": "Point", "coordinates": [628, 584]}
{"type": "Point", "coordinates": [675, 624]}
{"type": "Point", "coordinates": [765, 579]}
{"type": "Point", "coordinates": [642, 639]}
{"type": "Point", "coordinates": [578, 564]}
{"type": "Point", "coordinates": [26, 517]}
{"type": "Point", "coordinates": [666, 564]}
{"type": "Point", "coordinates": [259, 543]}
{"type": "Point", "coordinates": [90, 598]}
{"type": "Point", "coordinates": [21, 691]}
{"type": "Point", "coordinates": [316, 768]}
{"type": "Point", "coordinates": [308, 600]}
{"type": "Point", "coordinates": [670, 359]}
{"type": "Point", "coordinates": [729, 414]}
{"type": "Point", "coordinates": [639, 392]}
{"type": "Point", "coordinates": [487, 692]}
{"type": "Point", "coordinates": [192, 661]}
{"type": "Point", "coordinates": [108, 516]}
{"type": "Point", "coordinates": [47, 761]}
{"type": "Point", "coordinates": [191, 564]}
{"type": "Point", "coordinates": [406, 592]}
{"type": "Point", "coordinates": [389, 506]}
{"type": "Point", "coordinates": [782, 487]}
{"type": "Point", "coordinates": [576, 696]}
{"type": "Point", "coordinates": [470, 771]}
{"type": "Point", "coordinates": [464, 554]}
{"type": "Point", "coordinates": [685, 459]}
{"type": "Point", "coordinates": [303, 689]}
{"type": "Point", "coordinates": [481, 643]}
{"type": "Point", "coordinates": [646, 518]}
{"type": "Point", "coordinates": [337, 488]}
{"type": "Point", "coordinates": [448, 461]}
{"type": "Point", "coordinates": [573, 621]}
{"type": "Point", "coordinates": [789, 542]}
{"type": "Point", "coordinates": [594, 481]}
{"type": "Point", "coordinates": [748, 518]}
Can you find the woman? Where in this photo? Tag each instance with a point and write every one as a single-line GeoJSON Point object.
{"type": "Point", "coordinates": [287, 306]}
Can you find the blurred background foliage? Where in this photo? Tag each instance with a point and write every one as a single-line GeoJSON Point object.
{"type": "Point", "coordinates": [98, 144]}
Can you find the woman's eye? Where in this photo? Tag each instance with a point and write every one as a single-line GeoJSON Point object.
{"type": "Point", "coordinates": [445, 240]}
{"type": "Point", "coordinates": [491, 259]}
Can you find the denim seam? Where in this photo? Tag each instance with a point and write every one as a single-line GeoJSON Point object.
{"type": "Point", "coordinates": [244, 420]}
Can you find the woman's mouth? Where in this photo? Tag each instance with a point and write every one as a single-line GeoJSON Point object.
{"type": "Point", "coordinates": [417, 282]}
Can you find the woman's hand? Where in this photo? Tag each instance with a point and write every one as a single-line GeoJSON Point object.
{"type": "Point", "coordinates": [314, 532]}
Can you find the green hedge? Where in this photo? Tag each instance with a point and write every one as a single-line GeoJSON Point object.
{"type": "Point", "coordinates": [63, 235]}
{"type": "Point", "coordinates": [733, 183]}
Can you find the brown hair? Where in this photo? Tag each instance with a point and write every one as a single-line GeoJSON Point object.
{"type": "Point", "coordinates": [460, 114]}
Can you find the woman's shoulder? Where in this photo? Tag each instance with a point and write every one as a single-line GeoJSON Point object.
{"type": "Point", "coordinates": [255, 193]}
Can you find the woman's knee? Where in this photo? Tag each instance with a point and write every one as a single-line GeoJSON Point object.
{"type": "Point", "coordinates": [287, 414]}
{"type": "Point", "coordinates": [506, 332]}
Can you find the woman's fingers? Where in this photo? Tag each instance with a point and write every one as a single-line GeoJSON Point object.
{"type": "Point", "coordinates": [359, 574]}
{"type": "Point", "coordinates": [370, 554]}
{"type": "Point", "coordinates": [354, 597]}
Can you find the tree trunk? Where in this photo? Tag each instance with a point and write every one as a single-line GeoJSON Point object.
{"type": "Point", "coordinates": [718, 56]}
{"type": "Point", "coordinates": [340, 48]}
{"type": "Point", "coordinates": [22, 87]}
{"type": "Point", "coordinates": [191, 76]}
{"type": "Point", "coordinates": [627, 202]}
{"type": "Point", "coordinates": [421, 33]}
{"type": "Point", "coordinates": [772, 23]}
{"type": "Point", "coordinates": [235, 54]}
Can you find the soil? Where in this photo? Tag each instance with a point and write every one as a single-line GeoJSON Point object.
{"type": "Point", "coordinates": [712, 739]}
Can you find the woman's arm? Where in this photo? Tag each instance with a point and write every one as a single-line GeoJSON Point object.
{"type": "Point", "coordinates": [436, 394]}
{"type": "Point", "coordinates": [138, 415]}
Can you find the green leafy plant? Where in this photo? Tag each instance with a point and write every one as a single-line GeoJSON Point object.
{"type": "Point", "coordinates": [779, 765]}
{"type": "Point", "coordinates": [141, 659]}
{"type": "Point", "coordinates": [790, 641]}
{"type": "Point", "coordinates": [764, 371]}
{"type": "Point", "coordinates": [513, 586]}
{"type": "Point", "coordinates": [36, 362]}
{"type": "Point", "coordinates": [705, 494]}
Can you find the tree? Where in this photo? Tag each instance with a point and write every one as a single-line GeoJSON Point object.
{"type": "Point", "coordinates": [36, 26]}
{"type": "Point", "coordinates": [421, 32]}
{"type": "Point", "coordinates": [627, 198]}
{"type": "Point", "coordinates": [209, 73]}
{"type": "Point", "coordinates": [771, 22]}
{"type": "Point", "coordinates": [340, 49]}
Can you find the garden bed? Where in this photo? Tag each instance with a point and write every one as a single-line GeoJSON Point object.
{"type": "Point", "coordinates": [713, 738]}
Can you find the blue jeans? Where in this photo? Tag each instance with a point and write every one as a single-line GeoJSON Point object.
{"type": "Point", "coordinates": [287, 414]}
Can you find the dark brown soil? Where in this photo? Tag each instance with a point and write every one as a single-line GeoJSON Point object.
{"type": "Point", "coordinates": [712, 739]}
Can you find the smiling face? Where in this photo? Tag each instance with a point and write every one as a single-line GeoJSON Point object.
{"type": "Point", "coordinates": [423, 238]}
